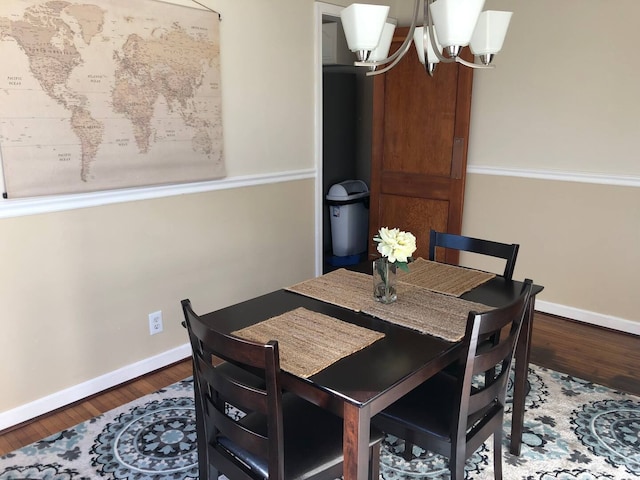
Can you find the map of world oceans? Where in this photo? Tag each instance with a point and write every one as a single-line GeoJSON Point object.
{"type": "Point", "coordinates": [107, 95]}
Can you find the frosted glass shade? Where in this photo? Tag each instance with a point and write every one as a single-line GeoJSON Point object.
{"type": "Point", "coordinates": [382, 50]}
{"type": "Point", "coordinates": [419, 40]}
{"type": "Point", "coordinates": [363, 25]}
{"type": "Point", "coordinates": [490, 31]}
{"type": "Point", "coordinates": [455, 20]}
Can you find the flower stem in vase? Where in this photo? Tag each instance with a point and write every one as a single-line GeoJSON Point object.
{"type": "Point", "coordinates": [384, 281]}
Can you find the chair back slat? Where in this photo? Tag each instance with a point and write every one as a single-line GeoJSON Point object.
{"type": "Point", "coordinates": [226, 346]}
{"type": "Point", "coordinates": [506, 251]}
{"type": "Point", "coordinates": [495, 322]}
{"type": "Point", "coordinates": [492, 393]}
{"type": "Point", "coordinates": [258, 443]}
{"type": "Point", "coordinates": [234, 391]}
{"type": "Point", "coordinates": [493, 355]}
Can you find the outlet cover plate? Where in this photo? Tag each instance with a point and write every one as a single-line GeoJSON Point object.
{"type": "Point", "coordinates": [155, 322]}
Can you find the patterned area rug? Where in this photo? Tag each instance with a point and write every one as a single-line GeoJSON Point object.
{"type": "Point", "coordinates": [574, 430]}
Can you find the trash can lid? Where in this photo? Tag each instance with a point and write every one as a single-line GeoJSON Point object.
{"type": "Point", "coordinates": [348, 190]}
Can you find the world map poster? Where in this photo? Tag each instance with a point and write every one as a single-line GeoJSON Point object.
{"type": "Point", "coordinates": [108, 94]}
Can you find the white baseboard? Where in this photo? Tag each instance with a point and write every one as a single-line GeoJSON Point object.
{"type": "Point", "coordinates": [592, 318]}
{"type": "Point", "coordinates": [91, 387]}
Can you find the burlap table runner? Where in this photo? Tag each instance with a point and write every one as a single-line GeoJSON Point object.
{"type": "Point", "coordinates": [418, 308]}
{"type": "Point", "coordinates": [443, 278]}
{"type": "Point", "coordinates": [310, 341]}
{"type": "Point", "coordinates": [341, 287]}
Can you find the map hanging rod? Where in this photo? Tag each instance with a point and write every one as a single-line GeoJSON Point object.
{"type": "Point", "coordinates": [208, 8]}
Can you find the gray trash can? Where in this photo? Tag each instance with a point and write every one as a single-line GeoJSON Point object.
{"type": "Point", "coordinates": [349, 212]}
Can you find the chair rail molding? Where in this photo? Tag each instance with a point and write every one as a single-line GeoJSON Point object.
{"type": "Point", "coordinates": [558, 175]}
{"type": "Point", "coordinates": [31, 206]}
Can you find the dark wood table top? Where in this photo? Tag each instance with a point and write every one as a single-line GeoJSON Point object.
{"type": "Point", "coordinates": [363, 377]}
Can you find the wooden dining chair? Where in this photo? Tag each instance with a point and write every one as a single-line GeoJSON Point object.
{"type": "Point", "coordinates": [281, 436]}
{"type": "Point", "coordinates": [506, 251]}
{"type": "Point", "coordinates": [453, 415]}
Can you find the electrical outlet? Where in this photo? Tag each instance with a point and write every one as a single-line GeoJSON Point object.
{"type": "Point", "coordinates": [155, 322]}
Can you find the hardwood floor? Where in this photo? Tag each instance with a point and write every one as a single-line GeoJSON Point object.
{"type": "Point", "coordinates": [603, 356]}
{"type": "Point", "coordinates": [600, 355]}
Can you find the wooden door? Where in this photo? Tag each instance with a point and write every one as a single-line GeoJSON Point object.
{"type": "Point", "coordinates": [419, 149]}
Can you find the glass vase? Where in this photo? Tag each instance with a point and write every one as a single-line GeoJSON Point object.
{"type": "Point", "coordinates": [384, 281]}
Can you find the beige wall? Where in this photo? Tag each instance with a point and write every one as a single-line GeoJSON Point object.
{"type": "Point", "coordinates": [578, 240]}
{"type": "Point", "coordinates": [564, 95]}
{"type": "Point", "coordinates": [563, 103]}
{"type": "Point", "coordinates": [77, 286]}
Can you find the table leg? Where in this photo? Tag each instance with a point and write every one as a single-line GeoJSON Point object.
{"type": "Point", "coordinates": [520, 379]}
{"type": "Point", "coordinates": [356, 442]}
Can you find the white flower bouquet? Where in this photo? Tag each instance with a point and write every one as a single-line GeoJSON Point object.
{"type": "Point", "coordinates": [396, 248]}
{"type": "Point", "coordinates": [395, 245]}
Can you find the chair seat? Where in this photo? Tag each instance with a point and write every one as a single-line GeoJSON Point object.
{"type": "Point", "coordinates": [310, 446]}
{"type": "Point", "coordinates": [426, 408]}
{"type": "Point", "coordinates": [430, 413]}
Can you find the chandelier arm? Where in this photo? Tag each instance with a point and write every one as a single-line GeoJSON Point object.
{"type": "Point", "coordinates": [392, 64]}
{"type": "Point", "coordinates": [398, 54]}
{"type": "Point", "coordinates": [472, 64]}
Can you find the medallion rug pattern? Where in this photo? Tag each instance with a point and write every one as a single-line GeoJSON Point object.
{"type": "Point", "coordinates": [574, 430]}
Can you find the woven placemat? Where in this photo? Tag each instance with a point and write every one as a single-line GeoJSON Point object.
{"type": "Point", "coordinates": [310, 341]}
{"type": "Point", "coordinates": [420, 309]}
{"type": "Point", "coordinates": [341, 287]}
{"type": "Point", "coordinates": [443, 278]}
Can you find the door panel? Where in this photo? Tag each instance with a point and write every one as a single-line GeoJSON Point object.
{"type": "Point", "coordinates": [418, 215]}
{"type": "Point", "coordinates": [419, 151]}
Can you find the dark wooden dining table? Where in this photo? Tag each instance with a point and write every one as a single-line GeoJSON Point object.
{"type": "Point", "coordinates": [364, 383]}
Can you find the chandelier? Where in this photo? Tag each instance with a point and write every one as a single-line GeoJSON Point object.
{"type": "Point", "coordinates": [448, 25]}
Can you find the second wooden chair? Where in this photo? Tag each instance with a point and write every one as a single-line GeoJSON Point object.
{"type": "Point", "coordinates": [507, 251]}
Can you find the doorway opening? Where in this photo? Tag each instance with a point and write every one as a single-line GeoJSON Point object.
{"type": "Point", "coordinates": [343, 122]}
